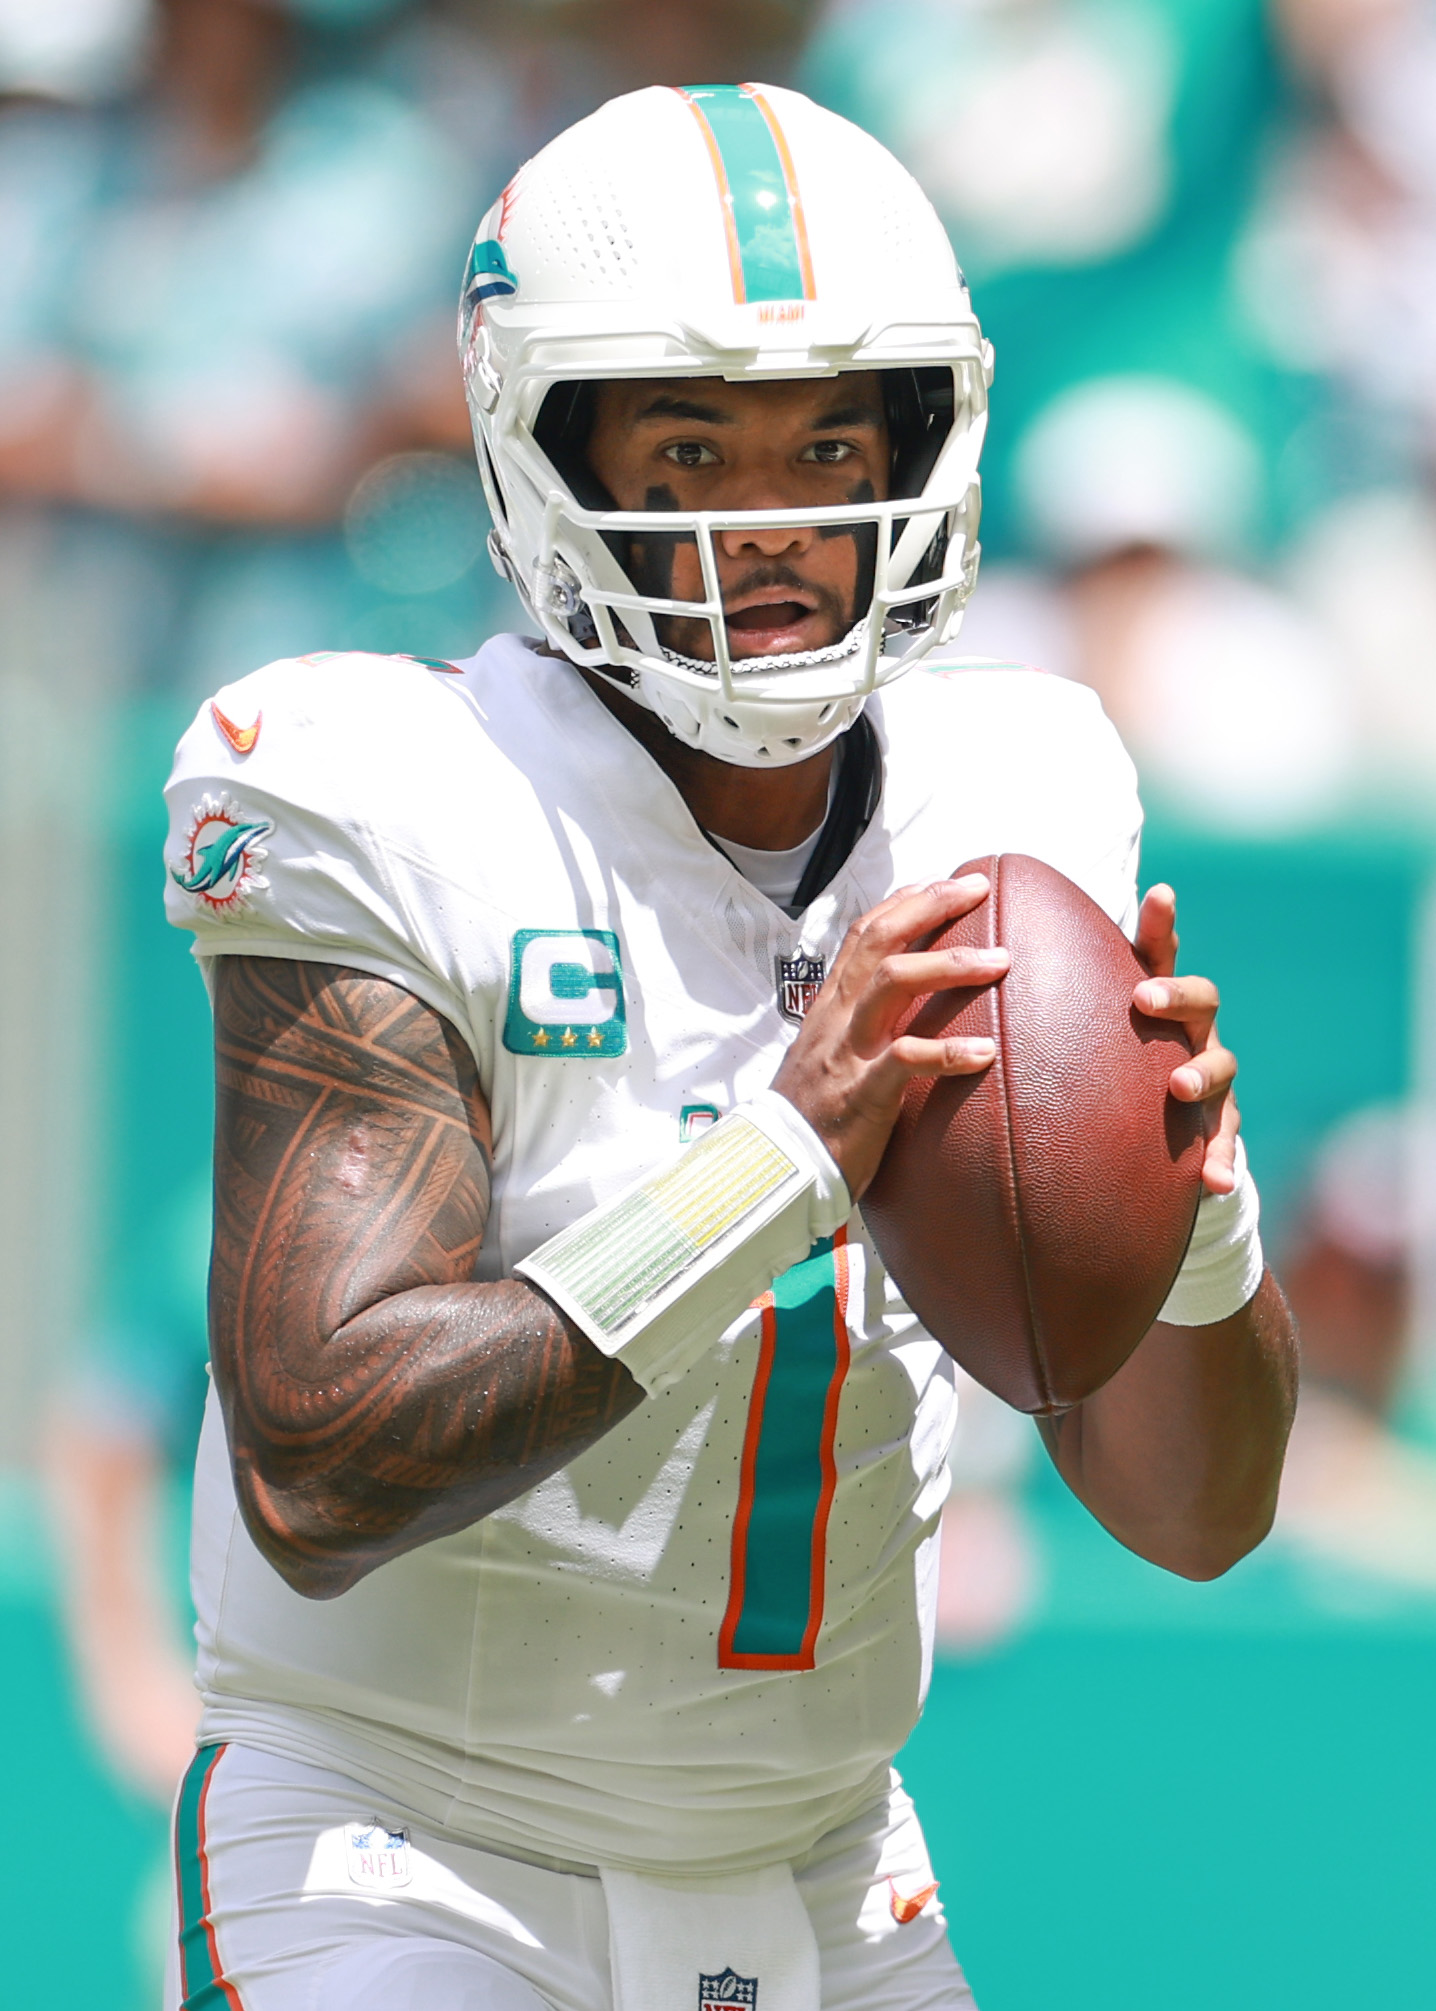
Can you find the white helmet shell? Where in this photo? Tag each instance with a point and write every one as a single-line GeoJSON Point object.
{"type": "Point", "coordinates": [742, 232]}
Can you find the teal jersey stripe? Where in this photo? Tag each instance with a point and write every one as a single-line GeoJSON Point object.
{"type": "Point", "coordinates": [778, 1588]}
{"type": "Point", "coordinates": [203, 1988]}
{"type": "Point", "coordinates": [764, 220]}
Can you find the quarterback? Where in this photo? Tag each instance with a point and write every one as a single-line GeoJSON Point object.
{"type": "Point", "coordinates": [565, 1521]}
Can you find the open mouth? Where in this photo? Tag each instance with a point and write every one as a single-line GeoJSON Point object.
{"type": "Point", "coordinates": [771, 626]}
{"type": "Point", "coordinates": [772, 614]}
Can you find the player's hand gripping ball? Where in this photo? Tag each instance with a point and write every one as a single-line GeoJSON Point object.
{"type": "Point", "coordinates": [1036, 1215]}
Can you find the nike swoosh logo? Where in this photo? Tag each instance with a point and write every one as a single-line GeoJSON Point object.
{"type": "Point", "coordinates": [908, 1909]}
{"type": "Point", "coordinates": [240, 738]}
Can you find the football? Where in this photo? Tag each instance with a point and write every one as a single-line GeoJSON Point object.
{"type": "Point", "coordinates": [1035, 1216]}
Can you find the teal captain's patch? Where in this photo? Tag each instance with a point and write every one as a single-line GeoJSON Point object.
{"type": "Point", "coordinates": [566, 995]}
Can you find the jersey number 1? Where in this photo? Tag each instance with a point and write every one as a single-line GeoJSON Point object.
{"type": "Point", "coordinates": [780, 1533]}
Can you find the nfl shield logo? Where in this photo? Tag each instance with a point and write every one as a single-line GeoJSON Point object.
{"type": "Point", "coordinates": [721, 1993]}
{"type": "Point", "coordinates": [798, 981]}
{"type": "Point", "coordinates": [378, 1856]}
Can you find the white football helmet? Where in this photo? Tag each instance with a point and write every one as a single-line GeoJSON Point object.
{"type": "Point", "coordinates": [742, 232]}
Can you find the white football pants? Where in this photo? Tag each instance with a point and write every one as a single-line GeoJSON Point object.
{"type": "Point", "coordinates": [298, 1890]}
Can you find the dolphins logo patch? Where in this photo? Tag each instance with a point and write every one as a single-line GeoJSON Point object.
{"type": "Point", "coordinates": [222, 854]}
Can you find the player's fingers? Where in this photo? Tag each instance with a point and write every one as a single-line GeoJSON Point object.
{"type": "Point", "coordinates": [1156, 940]}
{"type": "Point", "coordinates": [1219, 1167]}
{"type": "Point", "coordinates": [914, 910]}
{"type": "Point", "coordinates": [885, 1079]}
{"type": "Point", "coordinates": [898, 921]}
{"type": "Point", "coordinates": [954, 1054]}
{"type": "Point", "coordinates": [898, 980]}
{"type": "Point", "coordinates": [1211, 1072]}
{"type": "Point", "coordinates": [859, 1130]}
{"type": "Point", "coordinates": [1186, 998]}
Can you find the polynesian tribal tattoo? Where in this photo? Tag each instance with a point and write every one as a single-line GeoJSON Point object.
{"type": "Point", "coordinates": [375, 1396]}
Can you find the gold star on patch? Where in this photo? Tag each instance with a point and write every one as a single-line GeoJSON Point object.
{"type": "Point", "coordinates": [570, 1038]}
{"type": "Point", "coordinates": [540, 1038]}
{"type": "Point", "coordinates": [595, 1038]}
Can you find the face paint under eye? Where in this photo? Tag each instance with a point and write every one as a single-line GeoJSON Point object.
{"type": "Point", "coordinates": [865, 543]}
{"type": "Point", "coordinates": [861, 492]}
{"type": "Point", "coordinates": [650, 558]}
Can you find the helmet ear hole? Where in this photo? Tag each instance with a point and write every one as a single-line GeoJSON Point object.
{"type": "Point", "coordinates": [563, 429]}
{"type": "Point", "coordinates": [495, 484]}
{"type": "Point", "coordinates": [920, 405]}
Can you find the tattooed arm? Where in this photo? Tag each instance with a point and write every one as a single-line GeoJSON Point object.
{"type": "Point", "coordinates": [375, 1396]}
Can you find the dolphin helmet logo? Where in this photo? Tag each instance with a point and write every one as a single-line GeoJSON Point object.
{"type": "Point", "coordinates": [489, 277]}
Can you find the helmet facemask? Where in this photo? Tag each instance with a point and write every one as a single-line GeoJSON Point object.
{"type": "Point", "coordinates": [603, 575]}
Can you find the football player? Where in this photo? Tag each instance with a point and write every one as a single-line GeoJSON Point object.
{"type": "Point", "coordinates": [565, 1517]}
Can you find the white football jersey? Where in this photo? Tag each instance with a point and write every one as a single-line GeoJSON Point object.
{"type": "Point", "coordinates": [700, 1644]}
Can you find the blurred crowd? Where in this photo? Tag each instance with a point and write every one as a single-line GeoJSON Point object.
{"type": "Point", "coordinates": [1202, 236]}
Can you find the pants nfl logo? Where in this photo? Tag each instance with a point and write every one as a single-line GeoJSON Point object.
{"type": "Point", "coordinates": [721, 1993]}
{"type": "Point", "coordinates": [798, 981]}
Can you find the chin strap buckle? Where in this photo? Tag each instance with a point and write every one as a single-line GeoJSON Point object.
{"type": "Point", "coordinates": [559, 587]}
{"type": "Point", "coordinates": [559, 597]}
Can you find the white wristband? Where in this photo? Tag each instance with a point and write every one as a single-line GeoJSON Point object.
{"type": "Point", "coordinates": [655, 1276]}
{"type": "Point", "coordinates": [1223, 1265]}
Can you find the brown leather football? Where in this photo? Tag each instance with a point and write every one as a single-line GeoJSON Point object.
{"type": "Point", "coordinates": [1035, 1216]}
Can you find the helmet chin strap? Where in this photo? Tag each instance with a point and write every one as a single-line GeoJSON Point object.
{"type": "Point", "coordinates": [798, 659]}
{"type": "Point", "coordinates": [754, 738]}
{"type": "Point", "coordinates": [754, 731]}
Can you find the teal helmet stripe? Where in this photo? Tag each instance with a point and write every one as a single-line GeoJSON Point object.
{"type": "Point", "coordinates": [767, 238]}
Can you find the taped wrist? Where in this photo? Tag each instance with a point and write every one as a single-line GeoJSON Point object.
{"type": "Point", "coordinates": [1223, 1265]}
{"type": "Point", "coordinates": [655, 1276]}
